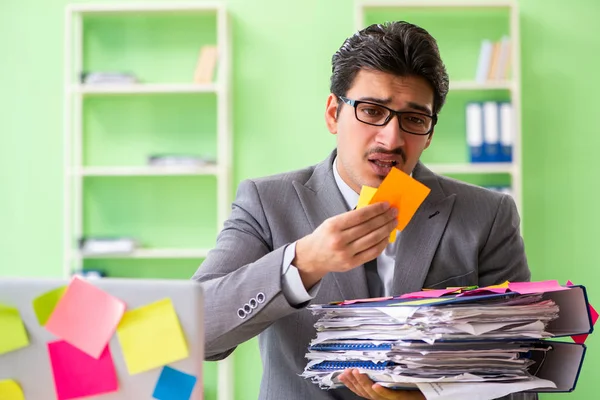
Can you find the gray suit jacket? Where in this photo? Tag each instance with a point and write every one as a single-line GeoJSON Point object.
{"type": "Point", "coordinates": [461, 235]}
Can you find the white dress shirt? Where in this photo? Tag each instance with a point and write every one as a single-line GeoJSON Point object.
{"type": "Point", "coordinates": [293, 288]}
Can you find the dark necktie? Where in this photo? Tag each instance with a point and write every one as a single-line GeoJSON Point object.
{"type": "Point", "coordinates": [373, 281]}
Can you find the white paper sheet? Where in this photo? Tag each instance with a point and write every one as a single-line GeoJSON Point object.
{"type": "Point", "coordinates": [478, 391]}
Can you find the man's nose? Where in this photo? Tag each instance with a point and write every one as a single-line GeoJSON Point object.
{"type": "Point", "coordinates": [391, 136]}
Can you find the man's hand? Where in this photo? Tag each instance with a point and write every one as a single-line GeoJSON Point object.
{"type": "Point", "coordinates": [364, 387]}
{"type": "Point", "coordinates": [344, 242]}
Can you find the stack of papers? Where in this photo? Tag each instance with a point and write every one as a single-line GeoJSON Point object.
{"type": "Point", "coordinates": [403, 343]}
{"type": "Point", "coordinates": [518, 317]}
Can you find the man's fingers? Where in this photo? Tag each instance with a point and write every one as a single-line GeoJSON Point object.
{"type": "Point", "coordinates": [348, 379]}
{"type": "Point", "coordinates": [365, 383]}
{"type": "Point", "coordinates": [370, 225]}
{"type": "Point", "coordinates": [374, 242]}
{"type": "Point", "coordinates": [357, 217]}
{"type": "Point", "coordinates": [390, 394]}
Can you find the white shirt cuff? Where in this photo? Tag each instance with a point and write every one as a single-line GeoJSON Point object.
{"type": "Point", "coordinates": [291, 283]}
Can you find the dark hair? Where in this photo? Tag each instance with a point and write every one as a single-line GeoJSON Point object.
{"type": "Point", "coordinates": [399, 48]}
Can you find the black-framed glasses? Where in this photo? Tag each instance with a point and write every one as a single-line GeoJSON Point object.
{"type": "Point", "coordinates": [377, 115]}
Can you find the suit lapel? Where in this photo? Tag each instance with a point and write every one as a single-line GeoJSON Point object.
{"type": "Point", "coordinates": [321, 199]}
{"type": "Point", "coordinates": [420, 239]}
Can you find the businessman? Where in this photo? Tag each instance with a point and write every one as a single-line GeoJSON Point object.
{"type": "Point", "coordinates": [296, 238]}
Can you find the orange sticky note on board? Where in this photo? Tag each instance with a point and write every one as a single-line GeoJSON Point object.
{"type": "Point", "coordinates": [366, 194]}
{"type": "Point", "coordinates": [402, 192]}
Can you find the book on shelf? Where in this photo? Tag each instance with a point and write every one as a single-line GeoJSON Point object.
{"type": "Point", "coordinates": [205, 67]}
{"type": "Point", "coordinates": [97, 245]}
{"type": "Point", "coordinates": [108, 78]}
{"type": "Point", "coordinates": [179, 160]}
{"type": "Point", "coordinates": [490, 131]}
{"type": "Point", "coordinates": [494, 60]}
{"type": "Point", "coordinates": [90, 273]}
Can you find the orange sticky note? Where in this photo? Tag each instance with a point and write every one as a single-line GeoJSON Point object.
{"type": "Point", "coordinates": [365, 196]}
{"type": "Point", "coordinates": [402, 192]}
{"type": "Point", "coordinates": [86, 317]}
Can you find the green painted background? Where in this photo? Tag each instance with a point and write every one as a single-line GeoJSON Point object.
{"type": "Point", "coordinates": [281, 53]}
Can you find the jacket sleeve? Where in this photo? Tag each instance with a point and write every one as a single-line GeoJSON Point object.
{"type": "Point", "coordinates": [503, 256]}
{"type": "Point", "coordinates": [241, 278]}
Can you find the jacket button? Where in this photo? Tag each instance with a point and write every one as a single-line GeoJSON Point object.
{"type": "Point", "coordinates": [260, 297]}
{"type": "Point", "coordinates": [253, 303]}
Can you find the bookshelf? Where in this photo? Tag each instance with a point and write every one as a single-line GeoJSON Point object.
{"type": "Point", "coordinates": [111, 129]}
{"type": "Point", "coordinates": [155, 253]}
{"type": "Point", "coordinates": [145, 89]}
{"type": "Point", "coordinates": [147, 171]}
{"type": "Point", "coordinates": [459, 27]}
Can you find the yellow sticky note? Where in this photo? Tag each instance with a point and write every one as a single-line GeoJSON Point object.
{"type": "Point", "coordinates": [44, 305]}
{"type": "Point", "coordinates": [10, 390]}
{"type": "Point", "coordinates": [13, 335]}
{"type": "Point", "coordinates": [500, 286]}
{"type": "Point", "coordinates": [402, 192]}
{"type": "Point", "coordinates": [421, 302]}
{"type": "Point", "coordinates": [365, 196]}
{"type": "Point", "coordinates": [151, 337]}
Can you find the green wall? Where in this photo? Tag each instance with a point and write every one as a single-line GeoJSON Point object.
{"type": "Point", "coordinates": [281, 53]}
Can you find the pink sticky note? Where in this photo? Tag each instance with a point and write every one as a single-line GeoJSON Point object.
{"type": "Point", "coordinates": [76, 374]}
{"type": "Point", "coordinates": [535, 287]}
{"type": "Point", "coordinates": [429, 294]}
{"type": "Point", "coordinates": [593, 313]}
{"type": "Point", "coordinates": [581, 338]}
{"type": "Point", "coordinates": [86, 317]}
{"type": "Point", "coordinates": [481, 291]}
{"type": "Point", "coordinates": [369, 300]}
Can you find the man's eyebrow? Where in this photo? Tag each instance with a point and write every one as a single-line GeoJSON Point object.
{"type": "Point", "coordinates": [378, 100]}
{"type": "Point", "coordinates": [420, 107]}
{"type": "Point", "coordinates": [387, 101]}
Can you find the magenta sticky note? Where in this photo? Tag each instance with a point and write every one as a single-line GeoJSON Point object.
{"type": "Point", "coordinates": [86, 317]}
{"type": "Point", "coordinates": [535, 287]}
{"type": "Point", "coordinates": [581, 338]}
{"type": "Point", "coordinates": [76, 374]}
{"type": "Point", "coordinates": [429, 294]}
{"type": "Point", "coordinates": [482, 291]}
{"type": "Point", "coordinates": [593, 313]}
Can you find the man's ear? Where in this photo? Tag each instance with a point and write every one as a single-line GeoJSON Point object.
{"type": "Point", "coordinates": [331, 111]}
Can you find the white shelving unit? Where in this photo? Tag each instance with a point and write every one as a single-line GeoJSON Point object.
{"type": "Point", "coordinates": [514, 85]}
{"type": "Point", "coordinates": [155, 253]}
{"type": "Point", "coordinates": [167, 88]}
{"type": "Point", "coordinates": [148, 171]}
{"type": "Point", "coordinates": [473, 168]}
{"type": "Point", "coordinates": [75, 172]}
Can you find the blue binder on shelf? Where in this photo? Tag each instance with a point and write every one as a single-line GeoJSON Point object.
{"type": "Point", "coordinates": [491, 132]}
{"type": "Point", "coordinates": [507, 131]}
{"type": "Point", "coordinates": [561, 365]}
{"type": "Point", "coordinates": [474, 118]}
